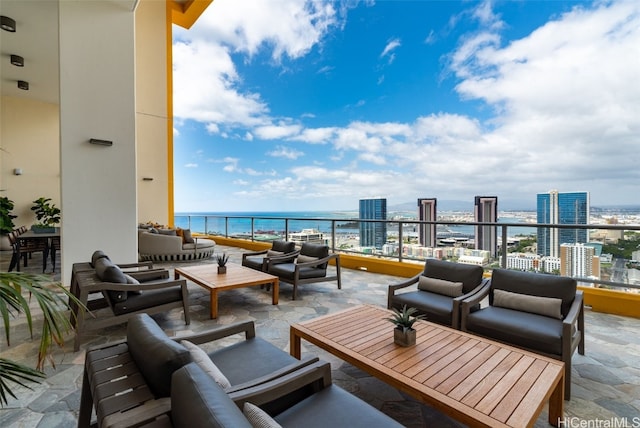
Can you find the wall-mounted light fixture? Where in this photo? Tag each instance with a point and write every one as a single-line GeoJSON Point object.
{"type": "Point", "coordinates": [23, 85]}
{"type": "Point", "coordinates": [101, 142]}
{"type": "Point", "coordinates": [17, 171]}
{"type": "Point", "coordinates": [147, 178]}
{"type": "Point", "coordinates": [7, 24]}
{"type": "Point", "coordinates": [17, 60]}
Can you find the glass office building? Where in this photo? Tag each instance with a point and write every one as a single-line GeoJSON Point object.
{"type": "Point", "coordinates": [561, 208]}
{"type": "Point", "coordinates": [373, 234]}
{"type": "Point", "coordinates": [427, 212]}
{"type": "Point", "coordinates": [486, 211]}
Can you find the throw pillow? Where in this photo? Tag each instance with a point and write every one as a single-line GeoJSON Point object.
{"type": "Point", "coordinates": [201, 358]}
{"type": "Point", "coordinates": [132, 280]}
{"type": "Point", "coordinates": [98, 254]}
{"type": "Point", "coordinates": [271, 253]}
{"type": "Point", "coordinates": [547, 306]}
{"type": "Point", "coordinates": [153, 230]}
{"type": "Point", "coordinates": [440, 286]}
{"type": "Point", "coordinates": [180, 233]}
{"type": "Point", "coordinates": [257, 417]}
{"type": "Point", "coordinates": [305, 259]}
{"type": "Point", "coordinates": [169, 232]}
{"type": "Point", "coordinates": [186, 236]}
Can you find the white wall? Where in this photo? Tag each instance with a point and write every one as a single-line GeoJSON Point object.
{"type": "Point", "coordinates": [97, 100]}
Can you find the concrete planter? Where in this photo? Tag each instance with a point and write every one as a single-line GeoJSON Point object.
{"type": "Point", "coordinates": [404, 337]}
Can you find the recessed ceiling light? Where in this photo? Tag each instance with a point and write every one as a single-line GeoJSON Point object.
{"type": "Point", "coordinates": [8, 24]}
{"type": "Point", "coordinates": [17, 60]}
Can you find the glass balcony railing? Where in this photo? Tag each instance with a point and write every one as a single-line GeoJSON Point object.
{"type": "Point", "coordinates": [605, 257]}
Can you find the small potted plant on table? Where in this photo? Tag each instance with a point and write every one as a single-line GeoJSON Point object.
{"type": "Point", "coordinates": [404, 334]}
{"type": "Point", "coordinates": [222, 262]}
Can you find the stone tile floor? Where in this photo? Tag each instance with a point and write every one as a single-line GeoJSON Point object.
{"type": "Point", "coordinates": [606, 381]}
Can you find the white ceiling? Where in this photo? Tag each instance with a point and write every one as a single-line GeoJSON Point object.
{"type": "Point", "coordinates": [36, 40]}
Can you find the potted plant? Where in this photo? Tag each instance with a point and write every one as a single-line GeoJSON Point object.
{"type": "Point", "coordinates": [47, 214]}
{"type": "Point", "coordinates": [52, 299]}
{"type": "Point", "coordinates": [6, 221]}
{"type": "Point", "coordinates": [222, 262]}
{"type": "Point", "coordinates": [404, 334]}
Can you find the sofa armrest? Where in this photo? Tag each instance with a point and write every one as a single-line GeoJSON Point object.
{"type": "Point", "coordinates": [153, 243]}
{"type": "Point", "coordinates": [317, 375]}
{"type": "Point", "coordinates": [135, 267]}
{"type": "Point", "coordinates": [471, 301]}
{"type": "Point", "coordinates": [285, 258]}
{"type": "Point", "coordinates": [394, 287]}
{"type": "Point", "coordinates": [253, 253]}
{"type": "Point", "coordinates": [247, 327]}
{"type": "Point", "coordinates": [149, 275]}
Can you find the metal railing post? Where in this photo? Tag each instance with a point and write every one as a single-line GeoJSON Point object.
{"type": "Point", "coordinates": [400, 241]}
{"type": "Point", "coordinates": [504, 247]}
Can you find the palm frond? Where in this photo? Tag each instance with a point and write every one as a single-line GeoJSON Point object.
{"type": "Point", "coordinates": [53, 300]}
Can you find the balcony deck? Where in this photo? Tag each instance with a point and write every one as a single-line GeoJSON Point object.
{"type": "Point", "coordinates": [606, 381]}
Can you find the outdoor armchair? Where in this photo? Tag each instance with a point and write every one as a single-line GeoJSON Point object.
{"type": "Point", "coordinates": [259, 260]}
{"type": "Point", "coordinates": [310, 265]}
{"type": "Point", "coordinates": [441, 288]}
{"type": "Point", "coordinates": [542, 313]}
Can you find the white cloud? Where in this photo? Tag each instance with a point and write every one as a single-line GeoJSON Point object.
{"type": "Point", "coordinates": [276, 132]}
{"type": "Point", "coordinates": [391, 46]}
{"type": "Point", "coordinates": [285, 152]}
{"type": "Point", "coordinates": [191, 165]}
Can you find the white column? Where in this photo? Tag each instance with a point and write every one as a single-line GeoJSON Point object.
{"type": "Point", "coordinates": [97, 100]}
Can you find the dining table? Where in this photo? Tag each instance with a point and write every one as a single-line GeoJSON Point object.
{"type": "Point", "coordinates": [49, 247]}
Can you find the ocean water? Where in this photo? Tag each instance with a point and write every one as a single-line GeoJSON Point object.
{"type": "Point", "coordinates": [274, 223]}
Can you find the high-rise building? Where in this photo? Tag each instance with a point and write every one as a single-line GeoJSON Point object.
{"type": "Point", "coordinates": [561, 208]}
{"type": "Point", "coordinates": [373, 234]}
{"type": "Point", "coordinates": [486, 211]}
{"type": "Point", "coordinates": [579, 260]}
{"type": "Point", "coordinates": [427, 212]}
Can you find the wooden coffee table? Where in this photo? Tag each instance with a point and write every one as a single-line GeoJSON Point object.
{"type": "Point", "coordinates": [474, 380]}
{"type": "Point", "coordinates": [207, 276]}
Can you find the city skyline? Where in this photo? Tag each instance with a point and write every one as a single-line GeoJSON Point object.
{"type": "Point", "coordinates": [452, 99]}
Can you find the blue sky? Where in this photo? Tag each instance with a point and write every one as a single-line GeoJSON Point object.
{"type": "Point", "coordinates": [292, 105]}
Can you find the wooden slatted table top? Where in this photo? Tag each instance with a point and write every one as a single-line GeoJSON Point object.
{"type": "Point", "coordinates": [206, 275]}
{"type": "Point", "coordinates": [475, 380]}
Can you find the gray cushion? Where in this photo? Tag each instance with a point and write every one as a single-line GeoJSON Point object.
{"type": "Point", "coordinates": [258, 418]}
{"type": "Point", "coordinates": [155, 354]}
{"type": "Point", "coordinates": [334, 407]}
{"type": "Point", "coordinates": [547, 306]}
{"type": "Point", "coordinates": [524, 329]}
{"type": "Point", "coordinates": [108, 272]}
{"type": "Point", "coordinates": [148, 299]}
{"type": "Point", "coordinates": [186, 236]}
{"type": "Point", "coordinates": [197, 401]}
{"type": "Point", "coordinates": [133, 281]}
{"type": "Point", "coordinates": [305, 259]}
{"type": "Point", "coordinates": [259, 358]}
{"type": "Point", "coordinates": [169, 232]}
{"type": "Point", "coordinates": [440, 286]}
{"type": "Point", "coordinates": [201, 358]}
{"type": "Point", "coordinates": [98, 254]}
{"type": "Point", "coordinates": [283, 246]}
{"type": "Point", "coordinates": [469, 275]}
{"type": "Point", "coordinates": [535, 284]}
{"type": "Point", "coordinates": [273, 253]}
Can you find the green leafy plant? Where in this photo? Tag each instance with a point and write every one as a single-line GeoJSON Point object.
{"type": "Point", "coordinates": [6, 218]}
{"type": "Point", "coordinates": [52, 299]}
{"type": "Point", "coordinates": [405, 318]}
{"type": "Point", "coordinates": [47, 214]}
{"type": "Point", "coordinates": [222, 259]}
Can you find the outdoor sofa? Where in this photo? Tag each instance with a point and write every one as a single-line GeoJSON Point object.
{"type": "Point", "coordinates": [166, 245]}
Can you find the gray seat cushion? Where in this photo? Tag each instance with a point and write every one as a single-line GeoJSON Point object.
{"type": "Point", "coordinates": [253, 262]}
{"type": "Point", "coordinates": [283, 246]}
{"type": "Point", "coordinates": [259, 358]}
{"type": "Point", "coordinates": [147, 299]}
{"type": "Point", "coordinates": [436, 307]}
{"type": "Point", "coordinates": [197, 401]}
{"type": "Point", "coordinates": [334, 407]}
{"type": "Point", "coordinates": [524, 329]}
{"type": "Point", "coordinates": [155, 354]}
{"type": "Point", "coordinates": [287, 271]}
